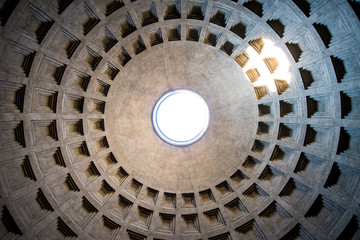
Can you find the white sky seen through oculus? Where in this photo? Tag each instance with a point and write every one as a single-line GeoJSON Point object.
{"type": "Point", "coordinates": [181, 117]}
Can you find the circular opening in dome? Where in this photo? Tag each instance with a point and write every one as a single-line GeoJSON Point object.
{"type": "Point", "coordinates": [181, 117]}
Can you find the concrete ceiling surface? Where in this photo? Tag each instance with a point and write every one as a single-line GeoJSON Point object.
{"type": "Point", "coordinates": [80, 157]}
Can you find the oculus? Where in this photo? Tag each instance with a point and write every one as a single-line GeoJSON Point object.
{"type": "Point", "coordinates": [181, 117]}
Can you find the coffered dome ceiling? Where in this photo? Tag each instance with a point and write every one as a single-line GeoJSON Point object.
{"type": "Point", "coordinates": [79, 154]}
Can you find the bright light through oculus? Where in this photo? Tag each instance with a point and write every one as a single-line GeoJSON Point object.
{"type": "Point", "coordinates": [257, 61]}
{"type": "Point", "coordinates": [181, 117]}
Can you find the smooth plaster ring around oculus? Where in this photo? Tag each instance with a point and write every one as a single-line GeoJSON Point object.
{"type": "Point", "coordinates": [181, 117]}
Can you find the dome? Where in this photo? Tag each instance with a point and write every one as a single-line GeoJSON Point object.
{"type": "Point", "coordinates": [84, 154]}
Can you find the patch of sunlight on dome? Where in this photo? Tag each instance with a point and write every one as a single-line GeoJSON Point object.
{"type": "Point", "coordinates": [268, 74]}
{"type": "Point", "coordinates": [181, 117]}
